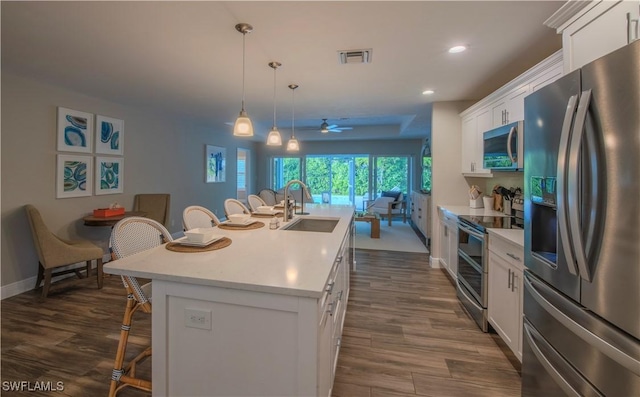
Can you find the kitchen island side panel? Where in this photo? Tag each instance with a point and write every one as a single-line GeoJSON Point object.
{"type": "Point", "coordinates": [257, 343]}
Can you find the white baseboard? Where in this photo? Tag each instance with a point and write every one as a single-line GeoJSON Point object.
{"type": "Point", "coordinates": [19, 287]}
{"type": "Point", "coordinates": [434, 262]}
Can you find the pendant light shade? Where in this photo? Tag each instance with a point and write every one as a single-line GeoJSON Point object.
{"type": "Point", "coordinates": [274, 138]}
{"type": "Point", "coordinates": [293, 145]}
{"type": "Point", "coordinates": [243, 125]}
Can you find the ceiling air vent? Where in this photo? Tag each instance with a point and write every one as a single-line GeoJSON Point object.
{"type": "Point", "coordinates": [355, 56]}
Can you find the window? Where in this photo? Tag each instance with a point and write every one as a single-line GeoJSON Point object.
{"type": "Point", "coordinates": [242, 180]}
{"type": "Point", "coordinates": [285, 169]}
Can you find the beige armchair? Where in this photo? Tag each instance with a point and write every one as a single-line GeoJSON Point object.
{"type": "Point", "coordinates": [156, 206]}
{"type": "Point", "coordinates": [388, 205]}
{"type": "Point", "coordinates": [54, 252]}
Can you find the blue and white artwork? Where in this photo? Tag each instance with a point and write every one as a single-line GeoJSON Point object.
{"type": "Point", "coordinates": [74, 176]}
{"type": "Point", "coordinates": [109, 135]}
{"type": "Point", "coordinates": [109, 175]}
{"type": "Point", "coordinates": [75, 131]}
{"type": "Point", "coordinates": [215, 167]}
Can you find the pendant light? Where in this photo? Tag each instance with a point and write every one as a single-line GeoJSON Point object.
{"type": "Point", "coordinates": [293, 145]}
{"type": "Point", "coordinates": [243, 126]}
{"type": "Point", "coordinates": [274, 138]}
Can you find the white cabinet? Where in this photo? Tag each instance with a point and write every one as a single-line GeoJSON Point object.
{"type": "Point", "coordinates": [597, 29]}
{"type": "Point", "coordinates": [473, 126]}
{"type": "Point", "coordinates": [421, 212]}
{"type": "Point", "coordinates": [504, 106]}
{"type": "Point", "coordinates": [448, 234]}
{"type": "Point", "coordinates": [509, 108]}
{"type": "Point", "coordinates": [505, 291]}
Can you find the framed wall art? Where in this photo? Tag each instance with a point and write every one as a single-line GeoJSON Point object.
{"type": "Point", "coordinates": [75, 131]}
{"type": "Point", "coordinates": [109, 175]}
{"type": "Point", "coordinates": [74, 176]}
{"type": "Point", "coordinates": [215, 163]}
{"type": "Point", "coordinates": [109, 135]}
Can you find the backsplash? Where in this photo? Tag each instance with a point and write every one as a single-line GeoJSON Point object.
{"type": "Point", "coordinates": [505, 179]}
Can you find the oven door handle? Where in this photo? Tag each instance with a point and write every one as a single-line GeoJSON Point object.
{"type": "Point", "coordinates": [471, 231]}
{"type": "Point", "coordinates": [471, 300]}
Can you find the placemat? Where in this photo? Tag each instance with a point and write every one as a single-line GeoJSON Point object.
{"type": "Point", "coordinates": [216, 245]}
{"type": "Point", "coordinates": [260, 215]}
{"type": "Point", "coordinates": [251, 226]}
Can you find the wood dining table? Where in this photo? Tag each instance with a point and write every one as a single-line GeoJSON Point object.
{"type": "Point", "coordinates": [91, 220]}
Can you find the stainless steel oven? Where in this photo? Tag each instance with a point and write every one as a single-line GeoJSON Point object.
{"type": "Point", "coordinates": [472, 269]}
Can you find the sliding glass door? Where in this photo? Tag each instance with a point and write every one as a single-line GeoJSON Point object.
{"type": "Point", "coordinates": [391, 173]}
{"type": "Point", "coordinates": [285, 169]}
{"type": "Point", "coordinates": [338, 179]}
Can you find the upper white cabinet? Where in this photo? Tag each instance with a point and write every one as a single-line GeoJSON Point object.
{"type": "Point", "coordinates": [593, 29]}
{"type": "Point", "coordinates": [509, 108]}
{"type": "Point", "coordinates": [504, 106]}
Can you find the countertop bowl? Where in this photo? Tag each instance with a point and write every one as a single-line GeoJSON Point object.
{"type": "Point", "coordinates": [239, 219]}
{"type": "Point", "coordinates": [200, 235]}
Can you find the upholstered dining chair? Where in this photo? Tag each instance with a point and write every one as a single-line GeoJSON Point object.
{"type": "Point", "coordinates": [233, 206]}
{"type": "Point", "coordinates": [54, 252]}
{"type": "Point", "coordinates": [130, 236]}
{"type": "Point", "coordinates": [255, 202]}
{"type": "Point", "coordinates": [156, 205]}
{"type": "Point", "coordinates": [196, 216]}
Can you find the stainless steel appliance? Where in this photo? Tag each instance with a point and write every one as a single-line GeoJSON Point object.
{"type": "Point", "coordinates": [503, 147]}
{"type": "Point", "coordinates": [473, 263]}
{"type": "Point", "coordinates": [582, 232]}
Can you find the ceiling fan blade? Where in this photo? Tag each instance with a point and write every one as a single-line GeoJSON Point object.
{"type": "Point", "coordinates": [332, 126]}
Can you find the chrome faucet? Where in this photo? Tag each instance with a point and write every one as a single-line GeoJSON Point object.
{"type": "Point", "coordinates": [306, 193]}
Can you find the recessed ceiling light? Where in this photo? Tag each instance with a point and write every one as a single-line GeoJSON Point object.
{"type": "Point", "coordinates": [428, 92]}
{"type": "Point", "coordinates": [456, 49]}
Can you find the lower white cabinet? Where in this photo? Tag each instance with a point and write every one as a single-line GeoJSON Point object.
{"type": "Point", "coordinates": [421, 212]}
{"type": "Point", "coordinates": [448, 234]}
{"type": "Point", "coordinates": [505, 291]}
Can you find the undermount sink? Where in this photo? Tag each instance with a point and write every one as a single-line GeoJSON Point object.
{"type": "Point", "coordinates": [322, 225]}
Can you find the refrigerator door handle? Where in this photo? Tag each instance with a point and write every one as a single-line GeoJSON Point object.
{"type": "Point", "coordinates": [509, 151]}
{"type": "Point", "coordinates": [534, 338]}
{"type": "Point", "coordinates": [605, 347]}
{"type": "Point", "coordinates": [573, 185]}
{"type": "Point", "coordinates": [563, 224]}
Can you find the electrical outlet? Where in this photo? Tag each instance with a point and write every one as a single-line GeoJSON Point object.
{"type": "Point", "coordinates": [196, 318]}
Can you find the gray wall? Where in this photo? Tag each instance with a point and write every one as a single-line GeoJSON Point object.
{"type": "Point", "coordinates": [163, 154]}
{"type": "Point", "coordinates": [411, 147]}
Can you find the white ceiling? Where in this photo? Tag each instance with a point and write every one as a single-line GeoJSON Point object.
{"type": "Point", "coordinates": [186, 57]}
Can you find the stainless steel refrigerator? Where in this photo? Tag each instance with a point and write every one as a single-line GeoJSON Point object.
{"type": "Point", "coordinates": [581, 333]}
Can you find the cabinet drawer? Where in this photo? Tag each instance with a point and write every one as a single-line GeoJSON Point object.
{"type": "Point", "coordinates": [511, 252]}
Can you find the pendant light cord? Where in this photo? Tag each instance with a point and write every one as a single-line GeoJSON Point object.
{"type": "Point", "coordinates": [243, 56]}
{"type": "Point", "coordinates": [293, 112]}
{"type": "Point", "coordinates": [274, 97]}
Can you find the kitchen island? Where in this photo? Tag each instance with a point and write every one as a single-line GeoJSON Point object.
{"type": "Point", "coordinates": [263, 316]}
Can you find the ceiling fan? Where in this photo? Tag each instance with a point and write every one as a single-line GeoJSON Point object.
{"type": "Point", "coordinates": [325, 127]}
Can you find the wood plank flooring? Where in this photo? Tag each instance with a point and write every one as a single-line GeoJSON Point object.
{"type": "Point", "coordinates": [405, 335]}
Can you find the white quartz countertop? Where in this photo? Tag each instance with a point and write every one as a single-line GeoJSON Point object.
{"type": "Point", "coordinates": [516, 236]}
{"type": "Point", "coordinates": [276, 261]}
{"type": "Point", "coordinates": [466, 210]}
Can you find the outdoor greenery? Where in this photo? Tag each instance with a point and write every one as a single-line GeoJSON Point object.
{"type": "Point", "coordinates": [335, 174]}
{"type": "Point", "coordinates": [426, 173]}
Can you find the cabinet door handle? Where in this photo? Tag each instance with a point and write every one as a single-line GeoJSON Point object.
{"type": "Point", "coordinates": [632, 28]}
{"type": "Point", "coordinates": [329, 287]}
{"type": "Point", "coordinates": [330, 308]}
{"type": "Point", "coordinates": [509, 279]}
{"type": "Point", "coordinates": [513, 256]}
{"type": "Point", "coordinates": [513, 281]}
{"type": "Point", "coordinates": [506, 116]}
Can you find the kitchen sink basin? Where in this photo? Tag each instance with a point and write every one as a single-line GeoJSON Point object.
{"type": "Point", "coordinates": [322, 225]}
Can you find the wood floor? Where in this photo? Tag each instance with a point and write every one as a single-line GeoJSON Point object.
{"type": "Point", "coordinates": [405, 335]}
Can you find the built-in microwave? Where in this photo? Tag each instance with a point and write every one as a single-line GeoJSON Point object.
{"type": "Point", "coordinates": [503, 147]}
